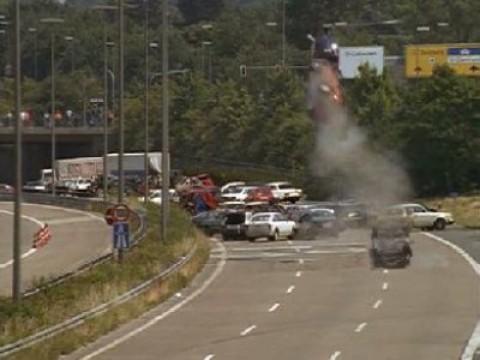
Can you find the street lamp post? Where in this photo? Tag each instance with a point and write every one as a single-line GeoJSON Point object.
{"type": "Point", "coordinates": [165, 123]}
{"type": "Point", "coordinates": [16, 280]}
{"type": "Point", "coordinates": [52, 21]}
{"type": "Point", "coordinates": [70, 40]}
{"type": "Point", "coordinates": [33, 31]}
{"type": "Point", "coordinates": [146, 104]}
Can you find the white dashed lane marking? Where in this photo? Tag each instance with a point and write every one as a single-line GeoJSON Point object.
{"type": "Point", "coordinates": [290, 289]}
{"type": "Point", "coordinates": [360, 327]}
{"type": "Point", "coordinates": [385, 271]}
{"type": "Point", "coordinates": [248, 330]}
{"type": "Point", "coordinates": [209, 357]}
{"type": "Point", "coordinates": [301, 261]}
{"type": "Point", "coordinates": [298, 274]}
{"type": "Point", "coordinates": [385, 286]}
{"type": "Point", "coordinates": [335, 355]}
{"type": "Point", "coordinates": [274, 307]}
{"type": "Point", "coordinates": [377, 304]}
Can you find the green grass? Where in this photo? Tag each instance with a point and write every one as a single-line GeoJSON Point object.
{"type": "Point", "coordinates": [102, 284]}
{"type": "Point", "coordinates": [465, 209]}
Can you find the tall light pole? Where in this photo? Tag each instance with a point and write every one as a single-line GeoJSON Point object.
{"type": "Point", "coordinates": [33, 31]}
{"type": "Point", "coordinates": [106, 73]}
{"type": "Point", "coordinates": [284, 32]}
{"type": "Point", "coordinates": [16, 281]}
{"type": "Point", "coordinates": [70, 40]}
{"type": "Point", "coordinates": [165, 123]}
{"type": "Point", "coordinates": [121, 115]}
{"type": "Point", "coordinates": [146, 103]}
{"type": "Point", "coordinates": [52, 21]}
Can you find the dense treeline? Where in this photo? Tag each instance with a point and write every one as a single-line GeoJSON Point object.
{"type": "Point", "coordinates": [431, 124]}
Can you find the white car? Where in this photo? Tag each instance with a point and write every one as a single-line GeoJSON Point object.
{"type": "Point", "coordinates": [271, 225]}
{"type": "Point", "coordinates": [236, 184]}
{"type": "Point", "coordinates": [238, 194]}
{"type": "Point", "coordinates": [79, 184]}
{"type": "Point", "coordinates": [424, 218]}
{"type": "Point", "coordinates": [284, 191]}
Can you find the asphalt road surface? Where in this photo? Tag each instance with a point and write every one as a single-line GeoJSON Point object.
{"type": "Point", "coordinates": [76, 238]}
{"type": "Point", "coordinates": [316, 299]}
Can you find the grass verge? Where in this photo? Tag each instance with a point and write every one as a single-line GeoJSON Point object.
{"type": "Point", "coordinates": [102, 284]}
{"type": "Point", "coordinates": [465, 209]}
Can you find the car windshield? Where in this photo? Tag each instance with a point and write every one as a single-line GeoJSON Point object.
{"type": "Point", "coordinates": [261, 218]}
{"type": "Point", "coordinates": [284, 186]}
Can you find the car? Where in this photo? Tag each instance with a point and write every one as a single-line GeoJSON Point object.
{"type": "Point", "coordinates": [272, 225]}
{"type": "Point", "coordinates": [261, 193]}
{"type": "Point", "coordinates": [390, 245]}
{"type": "Point", "coordinates": [234, 226]}
{"type": "Point", "coordinates": [155, 197]}
{"type": "Point", "coordinates": [239, 194]}
{"type": "Point", "coordinates": [35, 186]}
{"type": "Point", "coordinates": [319, 221]}
{"type": "Point", "coordinates": [284, 191]}
{"type": "Point", "coordinates": [231, 185]}
{"type": "Point", "coordinates": [211, 222]}
{"type": "Point", "coordinates": [425, 218]}
{"type": "Point", "coordinates": [6, 189]}
{"type": "Point", "coordinates": [232, 206]}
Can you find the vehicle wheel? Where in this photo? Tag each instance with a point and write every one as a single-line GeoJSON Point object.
{"type": "Point", "coordinates": [440, 224]}
{"type": "Point", "coordinates": [274, 237]}
{"type": "Point", "coordinates": [251, 239]}
{"type": "Point", "coordinates": [293, 235]}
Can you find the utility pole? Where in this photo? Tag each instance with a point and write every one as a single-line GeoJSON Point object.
{"type": "Point", "coordinates": [121, 45]}
{"type": "Point", "coordinates": [284, 33]}
{"type": "Point", "coordinates": [16, 281]}
{"type": "Point", "coordinates": [105, 114]}
{"type": "Point", "coordinates": [52, 114]}
{"type": "Point", "coordinates": [146, 103]}
{"type": "Point", "coordinates": [165, 124]}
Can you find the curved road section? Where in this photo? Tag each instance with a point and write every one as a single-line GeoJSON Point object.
{"type": "Point", "coordinates": [77, 237]}
{"type": "Point", "coordinates": [309, 300]}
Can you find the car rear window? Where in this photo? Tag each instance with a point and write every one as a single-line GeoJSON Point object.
{"type": "Point", "coordinates": [235, 219]}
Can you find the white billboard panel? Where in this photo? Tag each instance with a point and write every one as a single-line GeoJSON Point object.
{"type": "Point", "coordinates": [350, 58]}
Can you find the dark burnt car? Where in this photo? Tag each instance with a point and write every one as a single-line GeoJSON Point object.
{"type": "Point", "coordinates": [234, 226]}
{"type": "Point", "coordinates": [210, 222]}
{"type": "Point", "coordinates": [319, 222]}
{"type": "Point", "coordinates": [390, 245]}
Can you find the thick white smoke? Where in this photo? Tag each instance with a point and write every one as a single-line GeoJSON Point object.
{"type": "Point", "coordinates": [343, 154]}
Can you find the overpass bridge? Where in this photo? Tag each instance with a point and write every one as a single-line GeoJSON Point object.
{"type": "Point", "coordinates": [71, 141]}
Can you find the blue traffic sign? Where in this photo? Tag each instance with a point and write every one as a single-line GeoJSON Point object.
{"type": "Point", "coordinates": [121, 235]}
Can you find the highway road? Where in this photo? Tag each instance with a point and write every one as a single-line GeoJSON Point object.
{"type": "Point", "coordinates": [76, 238]}
{"type": "Point", "coordinates": [314, 299]}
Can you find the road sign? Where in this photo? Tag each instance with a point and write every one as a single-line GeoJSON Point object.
{"type": "Point", "coordinates": [117, 213]}
{"type": "Point", "coordinates": [351, 58]}
{"type": "Point", "coordinates": [121, 235]}
{"type": "Point", "coordinates": [464, 59]}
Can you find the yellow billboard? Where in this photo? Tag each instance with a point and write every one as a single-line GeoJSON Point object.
{"type": "Point", "coordinates": [420, 60]}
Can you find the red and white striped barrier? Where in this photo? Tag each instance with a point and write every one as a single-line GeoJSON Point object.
{"type": "Point", "coordinates": [42, 237]}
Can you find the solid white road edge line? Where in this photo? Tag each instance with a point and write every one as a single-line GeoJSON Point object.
{"type": "Point", "coordinates": [335, 355]}
{"type": "Point", "coordinates": [248, 330]}
{"type": "Point", "coordinates": [377, 304]}
{"type": "Point", "coordinates": [360, 327]}
{"type": "Point", "coordinates": [72, 211]}
{"type": "Point", "coordinates": [209, 357]}
{"type": "Point", "coordinates": [290, 289]}
{"type": "Point", "coordinates": [24, 255]}
{"type": "Point", "coordinates": [173, 309]}
{"type": "Point", "coordinates": [274, 307]}
{"type": "Point", "coordinates": [474, 341]}
{"type": "Point", "coordinates": [385, 286]}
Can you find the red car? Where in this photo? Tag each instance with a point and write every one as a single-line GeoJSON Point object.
{"type": "Point", "coordinates": [262, 193]}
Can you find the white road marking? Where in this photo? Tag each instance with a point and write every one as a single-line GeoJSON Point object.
{"type": "Point", "coordinates": [341, 251]}
{"type": "Point", "coordinates": [209, 357]}
{"type": "Point", "coordinates": [335, 355]}
{"type": "Point", "coordinates": [385, 286]}
{"type": "Point", "coordinates": [289, 242]}
{"type": "Point", "coordinates": [248, 330]}
{"type": "Point", "coordinates": [72, 211]}
{"type": "Point", "coordinates": [360, 327]}
{"type": "Point", "coordinates": [219, 268]}
{"type": "Point", "coordinates": [24, 255]}
{"type": "Point", "coordinates": [262, 248]}
{"type": "Point", "coordinates": [298, 274]}
{"type": "Point", "coordinates": [30, 251]}
{"type": "Point", "coordinates": [71, 220]}
{"type": "Point", "coordinates": [377, 304]}
{"type": "Point", "coordinates": [274, 307]}
{"type": "Point", "coordinates": [301, 261]}
{"type": "Point", "coordinates": [385, 271]}
{"type": "Point", "coordinates": [474, 341]}
{"type": "Point", "coordinates": [290, 289]}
